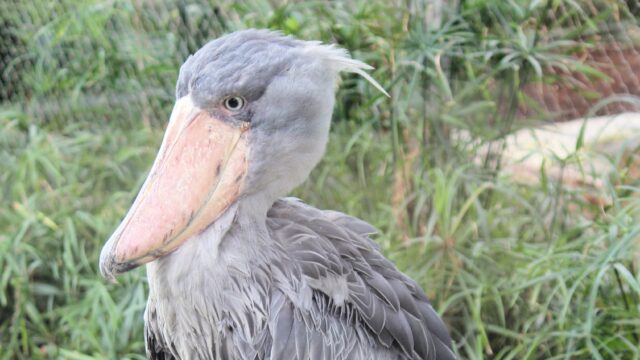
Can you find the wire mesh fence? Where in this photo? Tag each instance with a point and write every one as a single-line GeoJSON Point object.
{"type": "Point", "coordinates": [611, 51]}
{"type": "Point", "coordinates": [70, 59]}
{"type": "Point", "coordinates": [60, 60]}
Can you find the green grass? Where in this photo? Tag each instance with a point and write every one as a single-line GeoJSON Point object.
{"type": "Point", "coordinates": [518, 272]}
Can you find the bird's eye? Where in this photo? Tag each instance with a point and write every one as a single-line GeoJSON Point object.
{"type": "Point", "coordinates": [234, 103]}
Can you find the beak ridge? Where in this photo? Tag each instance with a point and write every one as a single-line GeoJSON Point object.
{"type": "Point", "coordinates": [198, 173]}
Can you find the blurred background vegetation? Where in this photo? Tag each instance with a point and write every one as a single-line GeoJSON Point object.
{"type": "Point", "coordinates": [532, 270]}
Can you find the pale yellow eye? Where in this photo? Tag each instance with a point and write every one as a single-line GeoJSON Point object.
{"type": "Point", "coordinates": [234, 103]}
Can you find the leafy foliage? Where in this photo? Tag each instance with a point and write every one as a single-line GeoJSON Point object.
{"type": "Point", "coordinates": [518, 272]}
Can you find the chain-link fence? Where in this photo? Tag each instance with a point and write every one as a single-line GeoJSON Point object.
{"type": "Point", "coordinates": [611, 51]}
{"type": "Point", "coordinates": [78, 59]}
{"type": "Point", "coordinates": [60, 60]}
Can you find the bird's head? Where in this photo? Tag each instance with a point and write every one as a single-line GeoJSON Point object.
{"type": "Point", "coordinates": [251, 120]}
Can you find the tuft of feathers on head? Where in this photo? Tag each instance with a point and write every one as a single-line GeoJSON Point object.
{"type": "Point", "coordinates": [342, 61]}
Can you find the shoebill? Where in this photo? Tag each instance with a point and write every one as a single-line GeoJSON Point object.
{"type": "Point", "coordinates": [235, 270]}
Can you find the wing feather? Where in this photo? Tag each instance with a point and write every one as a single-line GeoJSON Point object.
{"type": "Point", "coordinates": [389, 308]}
{"type": "Point", "coordinates": [337, 297]}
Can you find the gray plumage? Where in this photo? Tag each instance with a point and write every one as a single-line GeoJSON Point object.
{"type": "Point", "coordinates": [321, 290]}
{"type": "Point", "coordinates": [271, 277]}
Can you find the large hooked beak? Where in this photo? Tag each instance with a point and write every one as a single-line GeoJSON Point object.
{"type": "Point", "coordinates": [198, 173]}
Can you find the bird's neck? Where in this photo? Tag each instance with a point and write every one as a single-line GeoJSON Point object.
{"type": "Point", "coordinates": [236, 241]}
{"type": "Point", "coordinates": [209, 274]}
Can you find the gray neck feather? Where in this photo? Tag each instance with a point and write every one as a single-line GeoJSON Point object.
{"type": "Point", "coordinates": [208, 277]}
